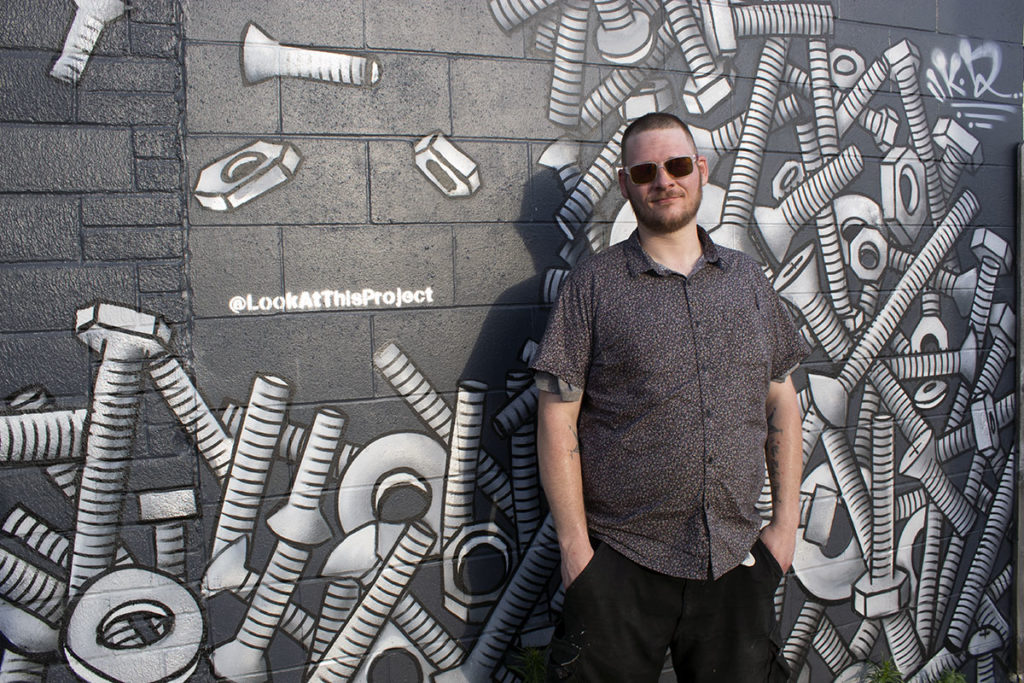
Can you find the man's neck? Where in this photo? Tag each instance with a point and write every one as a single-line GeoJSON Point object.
{"type": "Point", "coordinates": [678, 251]}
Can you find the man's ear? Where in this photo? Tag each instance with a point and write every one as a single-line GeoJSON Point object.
{"type": "Point", "coordinates": [622, 183]}
{"type": "Point", "coordinates": [702, 166]}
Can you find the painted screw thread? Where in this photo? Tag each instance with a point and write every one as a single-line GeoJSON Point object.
{"type": "Point", "coordinates": [524, 588]}
{"type": "Point", "coordinates": [42, 436]}
{"type": "Point", "coordinates": [799, 640]}
{"type": "Point", "coordinates": [340, 598]}
{"type": "Point", "coordinates": [907, 288]}
{"type": "Point", "coordinates": [778, 227]}
{"type": "Point", "coordinates": [881, 561]}
{"type": "Point", "coordinates": [904, 62]}
{"type": "Point", "coordinates": [250, 462]}
{"type": "Point", "coordinates": [941, 661]}
{"type": "Point", "coordinates": [856, 100]}
{"type": "Point", "coordinates": [807, 138]}
{"type": "Point", "coordinates": [428, 405]}
{"type": "Point", "coordinates": [996, 523]}
{"type": "Point", "coordinates": [903, 643]}
{"type": "Point", "coordinates": [851, 485]}
{"type": "Point", "coordinates": [954, 551]}
{"type": "Point", "coordinates": [17, 668]}
{"type": "Point", "coordinates": [909, 503]}
{"type": "Point", "coordinates": [546, 35]}
{"type": "Point", "coordinates": [300, 521]}
{"type": "Point", "coordinates": [511, 13]}
{"type": "Point", "coordinates": [991, 370]}
{"type": "Point", "coordinates": [523, 461]}
{"type": "Point", "coordinates": [31, 589]}
{"type": "Point", "coordinates": [194, 414]}
{"type": "Point", "coordinates": [81, 39]}
{"type": "Point", "coordinates": [169, 540]}
{"type": "Point", "coordinates": [938, 364]}
{"type": "Point", "coordinates": [460, 478]}
{"type": "Point", "coordinates": [739, 197]}
{"type": "Point", "coordinates": [409, 382]}
{"type": "Point", "coordinates": [430, 637]}
{"type": "Point", "coordinates": [570, 53]}
{"type": "Point", "coordinates": [963, 288]}
{"type": "Point", "coordinates": [863, 640]}
{"type": "Point", "coordinates": [797, 19]}
{"type": "Point", "coordinates": [870, 405]}
{"type": "Point", "coordinates": [618, 85]}
{"type": "Point", "coordinates": [962, 439]}
{"type": "Point", "coordinates": [595, 183]}
{"type": "Point", "coordinates": [830, 646]}
{"type": "Point", "coordinates": [984, 293]}
{"type": "Point", "coordinates": [519, 409]}
{"type": "Point", "coordinates": [688, 34]}
{"type": "Point", "coordinates": [989, 616]}
{"type": "Point", "coordinates": [245, 656]}
{"type": "Point", "coordinates": [110, 433]}
{"type": "Point", "coordinates": [614, 14]}
{"type": "Point", "coordinates": [346, 653]}
{"type": "Point", "coordinates": [928, 576]}
{"type": "Point", "coordinates": [38, 535]}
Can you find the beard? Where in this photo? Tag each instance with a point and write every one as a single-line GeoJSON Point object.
{"type": "Point", "coordinates": [669, 221]}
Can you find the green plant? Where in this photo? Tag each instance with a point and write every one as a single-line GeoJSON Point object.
{"type": "Point", "coordinates": [886, 672]}
{"type": "Point", "coordinates": [530, 664]}
{"type": "Point", "coordinates": [952, 676]}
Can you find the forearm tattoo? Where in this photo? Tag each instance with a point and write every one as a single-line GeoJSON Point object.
{"type": "Point", "coordinates": [575, 451]}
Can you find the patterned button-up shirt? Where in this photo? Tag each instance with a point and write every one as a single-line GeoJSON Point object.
{"type": "Point", "coordinates": [675, 373]}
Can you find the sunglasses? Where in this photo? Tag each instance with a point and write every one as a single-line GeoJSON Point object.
{"type": "Point", "coordinates": [677, 167]}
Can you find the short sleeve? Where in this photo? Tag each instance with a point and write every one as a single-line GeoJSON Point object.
{"type": "Point", "coordinates": [788, 346]}
{"type": "Point", "coordinates": [565, 350]}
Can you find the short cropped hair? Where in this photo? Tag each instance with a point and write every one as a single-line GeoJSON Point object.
{"type": "Point", "coordinates": [657, 120]}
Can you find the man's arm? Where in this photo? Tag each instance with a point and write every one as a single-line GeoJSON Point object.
{"type": "Point", "coordinates": [783, 452]}
{"type": "Point", "coordinates": [558, 454]}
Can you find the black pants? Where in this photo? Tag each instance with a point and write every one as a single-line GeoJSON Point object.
{"type": "Point", "coordinates": [619, 619]}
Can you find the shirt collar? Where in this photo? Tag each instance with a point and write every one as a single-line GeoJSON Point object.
{"type": "Point", "coordinates": [639, 261]}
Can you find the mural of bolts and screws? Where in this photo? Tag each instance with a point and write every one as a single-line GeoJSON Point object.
{"type": "Point", "coordinates": [381, 203]}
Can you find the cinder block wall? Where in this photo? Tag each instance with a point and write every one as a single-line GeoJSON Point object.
{"type": "Point", "coordinates": [279, 467]}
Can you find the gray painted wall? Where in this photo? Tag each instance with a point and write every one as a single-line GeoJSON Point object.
{"type": "Point", "coordinates": [386, 454]}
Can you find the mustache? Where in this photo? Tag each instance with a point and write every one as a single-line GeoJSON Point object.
{"type": "Point", "coordinates": [666, 195]}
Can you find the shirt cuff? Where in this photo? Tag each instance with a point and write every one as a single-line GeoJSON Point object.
{"type": "Point", "coordinates": [545, 381]}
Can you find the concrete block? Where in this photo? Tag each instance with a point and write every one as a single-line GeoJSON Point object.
{"type": "Point", "coordinates": [506, 95]}
{"type": "Point", "coordinates": [161, 277]}
{"type": "Point", "coordinates": [145, 74]}
{"type": "Point", "coordinates": [412, 98]}
{"type": "Point", "coordinates": [158, 174]}
{"type": "Point", "coordinates": [152, 40]}
{"type": "Point", "coordinates": [27, 94]}
{"type": "Point", "coordinates": [38, 228]}
{"type": "Point", "coordinates": [46, 298]}
{"type": "Point", "coordinates": [329, 186]}
{"type": "Point", "coordinates": [465, 27]}
{"type": "Point", "coordinates": [218, 100]}
{"type": "Point", "coordinates": [57, 361]}
{"type": "Point", "coordinates": [233, 261]}
{"type": "Point", "coordinates": [325, 357]}
{"type": "Point", "coordinates": [450, 344]}
{"type": "Point", "coordinates": [501, 165]}
{"type": "Point", "coordinates": [64, 158]}
{"type": "Point", "coordinates": [40, 24]}
{"type": "Point", "coordinates": [501, 262]}
{"type": "Point", "coordinates": [173, 307]}
{"type": "Point", "coordinates": [132, 209]}
{"type": "Point", "coordinates": [156, 142]}
{"type": "Point", "coordinates": [328, 25]}
{"type": "Point", "coordinates": [410, 257]}
{"type": "Point", "coordinates": [153, 12]}
{"type": "Point", "coordinates": [127, 108]}
{"type": "Point", "coordinates": [133, 243]}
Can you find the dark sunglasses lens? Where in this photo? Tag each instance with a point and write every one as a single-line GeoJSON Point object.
{"type": "Point", "coordinates": [643, 173]}
{"type": "Point", "coordinates": [679, 166]}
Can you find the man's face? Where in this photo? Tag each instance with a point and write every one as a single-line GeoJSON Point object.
{"type": "Point", "coordinates": [666, 204]}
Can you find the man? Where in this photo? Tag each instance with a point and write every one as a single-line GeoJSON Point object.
{"type": "Point", "coordinates": [665, 391]}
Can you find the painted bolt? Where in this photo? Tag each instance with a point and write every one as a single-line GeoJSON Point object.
{"type": "Point", "coordinates": [263, 58]}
